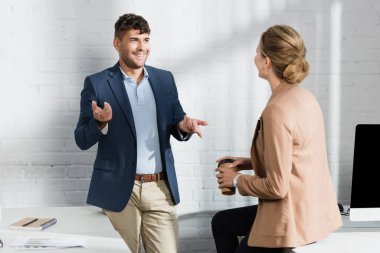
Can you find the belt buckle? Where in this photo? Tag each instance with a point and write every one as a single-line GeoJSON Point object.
{"type": "Point", "coordinates": [142, 178]}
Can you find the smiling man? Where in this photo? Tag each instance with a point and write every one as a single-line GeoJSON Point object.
{"type": "Point", "coordinates": [131, 110]}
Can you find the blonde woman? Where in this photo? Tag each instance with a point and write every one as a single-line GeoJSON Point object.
{"type": "Point", "coordinates": [297, 201]}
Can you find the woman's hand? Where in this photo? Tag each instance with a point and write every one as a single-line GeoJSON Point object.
{"type": "Point", "coordinates": [241, 163]}
{"type": "Point", "coordinates": [226, 176]}
{"type": "Point", "coordinates": [227, 171]}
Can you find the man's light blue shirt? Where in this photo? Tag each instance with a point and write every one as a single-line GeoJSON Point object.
{"type": "Point", "coordinates": [144, 112]}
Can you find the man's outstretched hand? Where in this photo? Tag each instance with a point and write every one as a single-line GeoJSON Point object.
{"type": "Point", "coordinates": [190, 125]}
{"type": "Point", "coordinates": [101, 115]}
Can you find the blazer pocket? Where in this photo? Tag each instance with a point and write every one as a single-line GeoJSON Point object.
{"type": "Point", "coordinates": [274, 220]}
{"type": "Point", "coordinates": [105, 164]}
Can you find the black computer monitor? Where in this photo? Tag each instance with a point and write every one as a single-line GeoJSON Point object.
{"type": "Point", "coordinates": [365, 192]}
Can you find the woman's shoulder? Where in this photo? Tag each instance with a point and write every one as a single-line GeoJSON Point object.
{"type": "Point", "coordinates": [285, 105]}
{"type": "Point", "coordinates": [300, 90]}
{"type": "Point", "coordinates": [296, 94]}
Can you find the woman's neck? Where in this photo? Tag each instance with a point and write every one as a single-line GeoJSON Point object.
{"type": "Point", "coordinates": [274, 82]}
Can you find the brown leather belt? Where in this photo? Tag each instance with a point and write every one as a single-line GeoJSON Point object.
{"type": "Point", "coordinates": [146, 178]}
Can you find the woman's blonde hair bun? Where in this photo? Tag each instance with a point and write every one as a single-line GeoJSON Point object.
{"type": "Point", "coordinates": [285, 48]}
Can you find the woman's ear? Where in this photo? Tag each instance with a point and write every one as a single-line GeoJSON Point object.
{"type": "Point", "coordinates": [268, 62]}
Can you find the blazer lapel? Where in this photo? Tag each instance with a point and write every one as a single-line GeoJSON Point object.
{"type": "Point", "coordinates": [116, 83]}
{"type": "Point", "coordinates": [256, 147]}
{"type": "Point", "coordinates": [158, 96]}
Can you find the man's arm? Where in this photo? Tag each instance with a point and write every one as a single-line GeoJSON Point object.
{"type": "Point", "coordinates": [184, 126]}
{"type": "Point", "coordinates": [87, 131]}
{"type": "Point", "coordinates": [182, 135]}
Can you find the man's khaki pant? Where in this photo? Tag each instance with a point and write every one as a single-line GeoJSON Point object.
{"type": "Point", "coordinates": [151, 215]}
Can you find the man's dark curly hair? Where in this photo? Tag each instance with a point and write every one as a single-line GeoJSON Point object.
{"type": "Point", "coordinates": [128, 22]}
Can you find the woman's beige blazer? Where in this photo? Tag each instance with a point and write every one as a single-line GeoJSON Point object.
{"type": "Point", "coordinates": [297, 201]}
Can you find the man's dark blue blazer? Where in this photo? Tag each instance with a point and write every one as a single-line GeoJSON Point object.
{"type": "Point", "coordinates": [115, 164]}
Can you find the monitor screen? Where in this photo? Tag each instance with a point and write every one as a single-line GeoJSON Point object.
{"type": "Point", "coordinates": [365, 192]}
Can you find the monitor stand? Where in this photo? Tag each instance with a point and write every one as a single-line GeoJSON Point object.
{"type": "Point", "coordinates": [348, 223]}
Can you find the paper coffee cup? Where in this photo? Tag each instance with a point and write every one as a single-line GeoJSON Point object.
{"type": "Point", "coordinates": [226, 190]}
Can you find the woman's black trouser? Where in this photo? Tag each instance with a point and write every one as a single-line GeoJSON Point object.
{"type": "Point", "coordinates": [228, 225]}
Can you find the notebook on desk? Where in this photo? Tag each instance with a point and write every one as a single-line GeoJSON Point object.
{"type": "Point", "coordinates": [32, 223]}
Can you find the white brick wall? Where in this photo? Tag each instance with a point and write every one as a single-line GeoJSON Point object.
{"type": "Point", "coordinates": [48, 47]}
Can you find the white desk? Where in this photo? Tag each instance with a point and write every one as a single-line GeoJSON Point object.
{"type": "Point", "coordinates": [72, 222]}
{"type": "Point", "coordinates": [348, 239]}
{"type": "Point", "coordinates": [90, 223]}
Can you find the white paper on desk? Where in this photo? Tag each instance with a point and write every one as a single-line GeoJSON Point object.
{"type": "Point", "coordinates": [45, 243]}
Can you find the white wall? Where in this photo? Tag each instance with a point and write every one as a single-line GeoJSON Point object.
{"type": "Point", "coordinates": [48, 47]}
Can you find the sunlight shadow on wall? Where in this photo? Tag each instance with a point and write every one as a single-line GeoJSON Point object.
{"type": "Point", "coordinates": [335, 90]}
